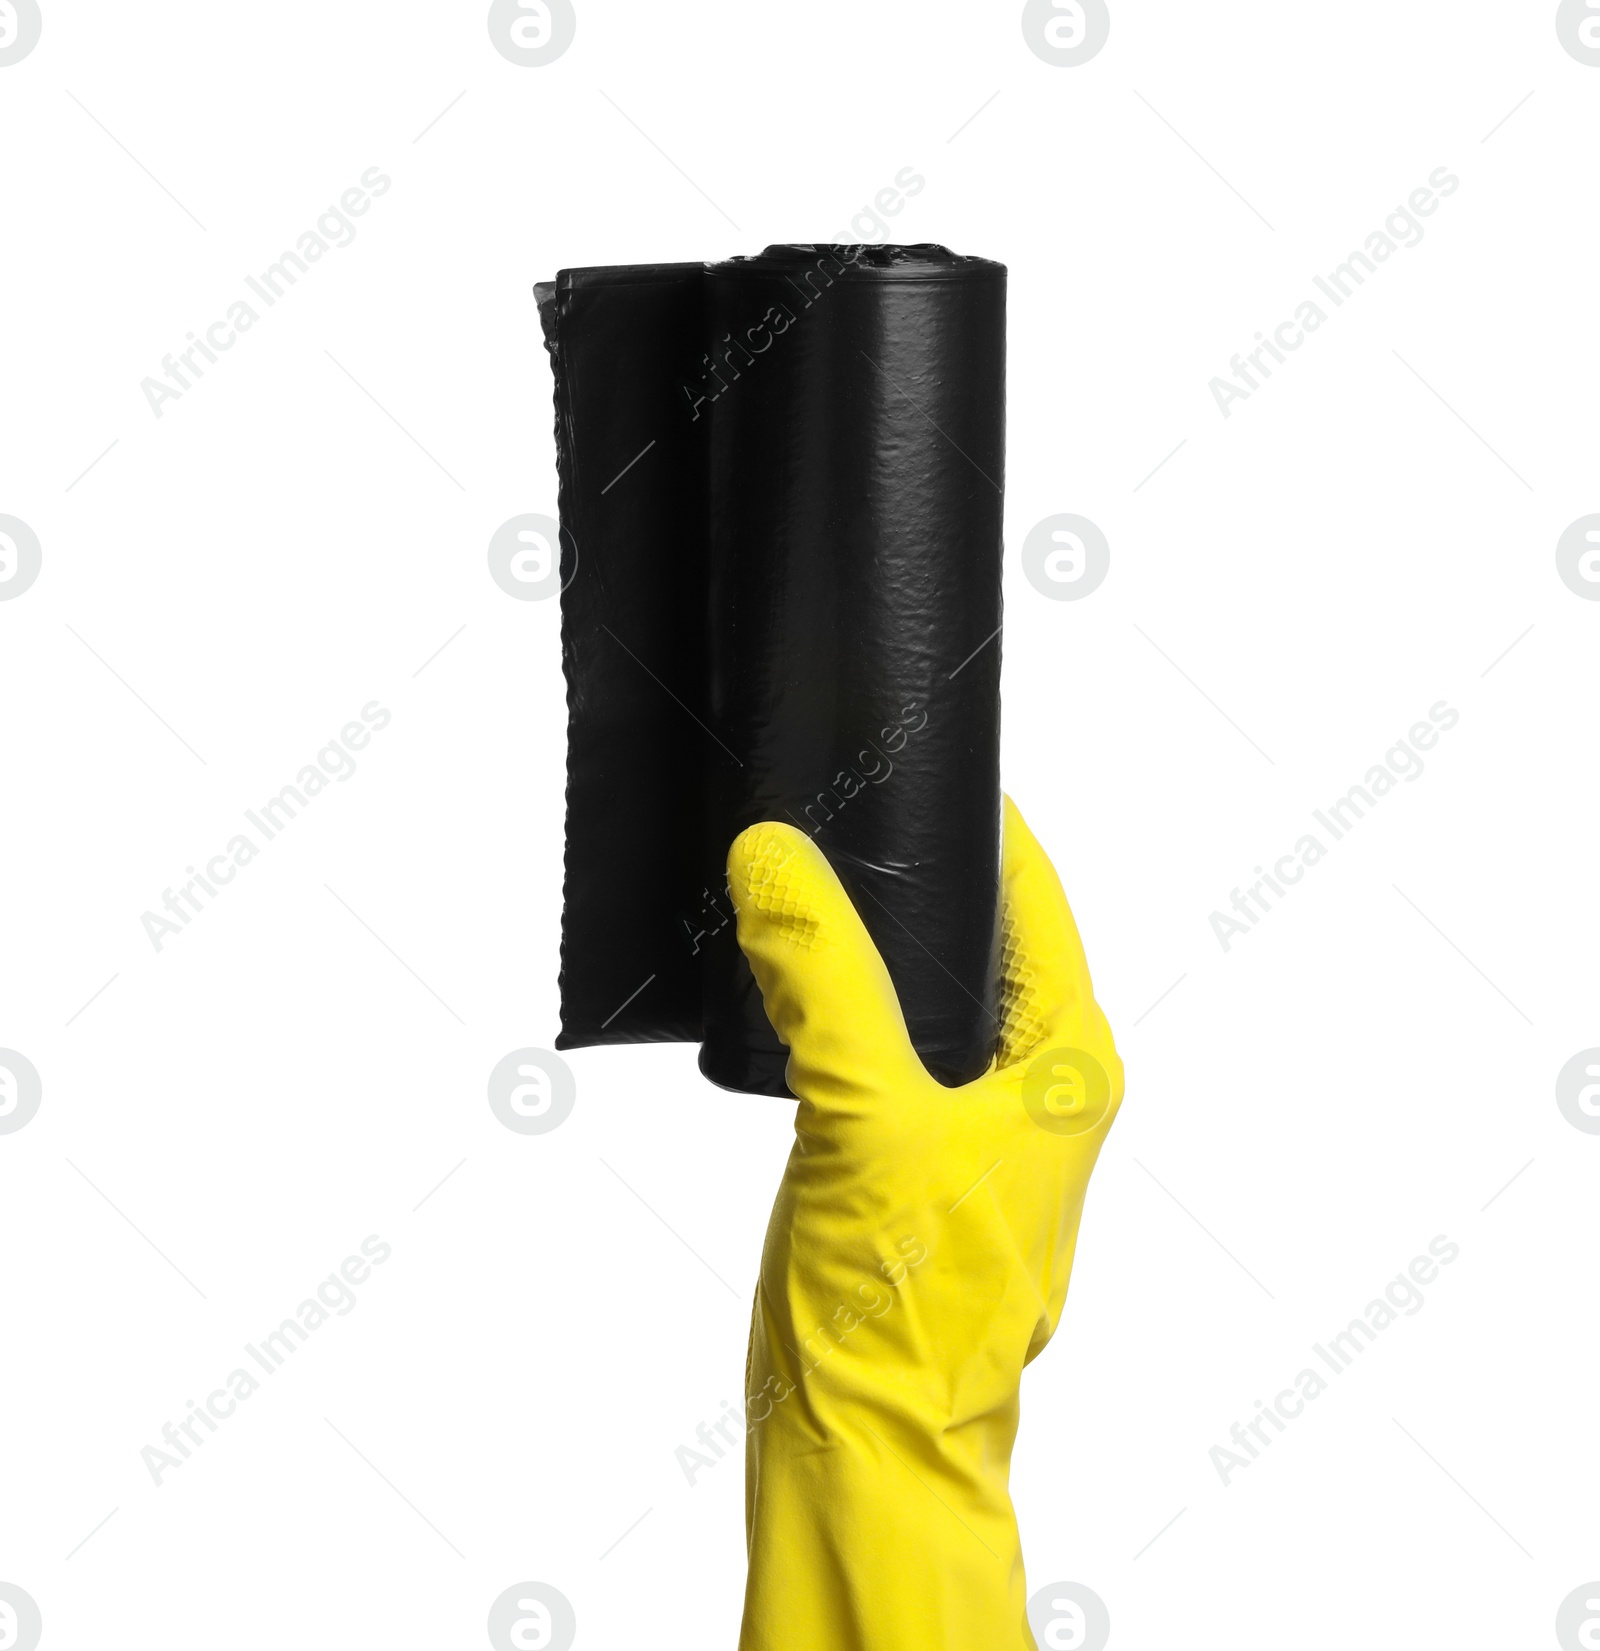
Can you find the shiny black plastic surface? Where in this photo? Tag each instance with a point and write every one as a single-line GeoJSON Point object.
{"type": "Point", "coordinates": [781, 542]}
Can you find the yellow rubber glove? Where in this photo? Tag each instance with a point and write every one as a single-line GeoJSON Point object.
{"type": "Point", "coordinates": [917, 1259]}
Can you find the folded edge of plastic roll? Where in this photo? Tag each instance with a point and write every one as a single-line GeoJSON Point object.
{"type": "Point", "coordinates": [632, 501]}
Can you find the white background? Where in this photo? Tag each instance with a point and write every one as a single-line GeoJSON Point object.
{"type": "Point", "coordinates": [230, 583]}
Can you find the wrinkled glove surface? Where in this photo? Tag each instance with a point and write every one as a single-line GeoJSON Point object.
{"type": "Point", "coordinates": [917, 1259]}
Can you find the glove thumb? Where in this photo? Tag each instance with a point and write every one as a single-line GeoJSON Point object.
{"type": "Point", "coordinates": [826, 990]}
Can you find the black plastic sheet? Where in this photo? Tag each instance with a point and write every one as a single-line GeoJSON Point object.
{"type": "Point", "coordinates": [780, 494]}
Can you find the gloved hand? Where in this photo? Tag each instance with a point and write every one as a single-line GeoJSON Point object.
{"type": "Point", "coordinates": [916, 1260]}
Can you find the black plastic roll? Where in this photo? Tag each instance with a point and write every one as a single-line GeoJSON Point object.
{"type": "Point", "coordinates": [780, 493]}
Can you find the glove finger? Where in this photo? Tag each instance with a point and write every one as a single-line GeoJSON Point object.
{"type": "Point", "coordinates": [826, 990]}
{"type": "Point", "coordinates": [1045, 992]}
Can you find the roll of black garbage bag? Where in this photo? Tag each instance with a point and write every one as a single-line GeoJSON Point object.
{"type": "Point", "coordinates": [780, 486]}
